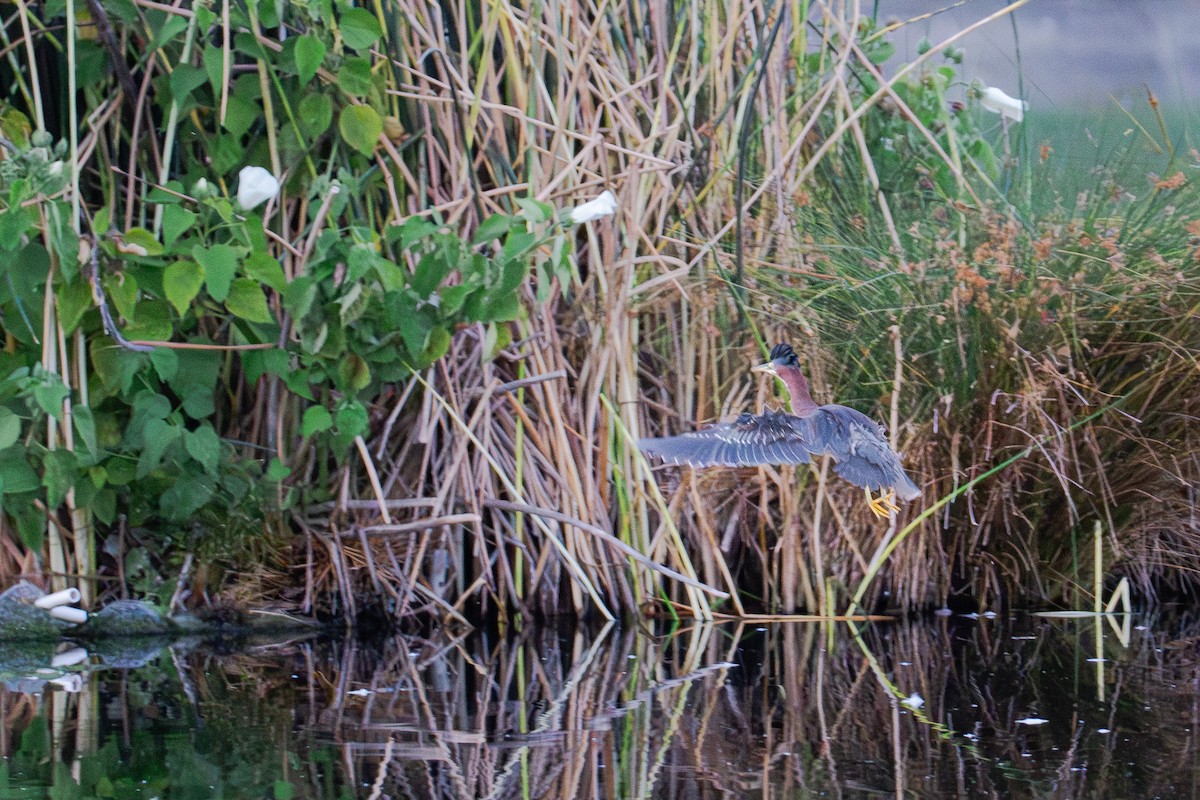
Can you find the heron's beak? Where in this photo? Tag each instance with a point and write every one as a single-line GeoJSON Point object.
{"type": "Point", "coordinates": [768, 367]}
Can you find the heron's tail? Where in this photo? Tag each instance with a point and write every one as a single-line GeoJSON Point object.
{"type": "Point", "coordinates": [906, 490]}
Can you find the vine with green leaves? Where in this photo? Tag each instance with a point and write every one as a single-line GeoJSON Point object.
{"type": "Point", "coordinates": [175, 351]}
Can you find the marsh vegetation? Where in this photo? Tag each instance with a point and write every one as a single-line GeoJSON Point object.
{"type": "Point", "coordinates": [408, 383]}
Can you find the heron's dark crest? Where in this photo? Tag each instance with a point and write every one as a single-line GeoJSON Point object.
{"type": "Point", "coordinates": [785, 355]}
{"type": "Point", "coordinates": [855, 441]}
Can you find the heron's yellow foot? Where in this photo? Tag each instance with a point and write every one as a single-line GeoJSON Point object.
{"type": "Point", "coordinates": [884, 504]}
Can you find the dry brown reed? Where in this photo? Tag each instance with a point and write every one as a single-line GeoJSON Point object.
{"type": "Point", "coordinates": [655, 107]}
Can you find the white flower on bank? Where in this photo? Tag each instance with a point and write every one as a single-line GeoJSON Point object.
{"type": "Point", "coordinates": [996, 101]}
{"type": "Point", "coordinates": [602, 206]}
{"type": "Point", "coordinates": [913, 701]}
{"type": "Point", "coordinates": [255, 186]}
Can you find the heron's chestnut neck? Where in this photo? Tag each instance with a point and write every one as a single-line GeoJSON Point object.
{"type": "Point", "coordinates": [797, 385]}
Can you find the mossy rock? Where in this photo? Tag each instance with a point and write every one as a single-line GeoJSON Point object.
{"type": "Point", "coordinates": [21, 619]}
{"type": "Point", "coordinates": [128, 618]}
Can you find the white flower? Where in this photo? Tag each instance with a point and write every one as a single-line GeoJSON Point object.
{"type": "Point", "coordinates": [1032, 721]}
{"type": "Point", "coordinates": [914, 701]}
{"type": "Point", "coordinates": [255, 185]}
{"type": "Point", "coordinates": [995, 100]}
{"type": "Point", "coordinates": [602, 206]}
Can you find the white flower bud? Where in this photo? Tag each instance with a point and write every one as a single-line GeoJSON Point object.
{"type": "Point", "coordinates": [602, 206]}
{"type": "Point", "coordinates": [998, 102]}
{"type": "Point", "coordinates": [255, 186]}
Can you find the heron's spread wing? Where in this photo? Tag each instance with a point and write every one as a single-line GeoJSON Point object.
{"type": "Point", "coordinates": [855, 441]}
{"type": "Point", "coordinates": [862, 453]}
{"type": "Point", "coordinates": [772, 438]}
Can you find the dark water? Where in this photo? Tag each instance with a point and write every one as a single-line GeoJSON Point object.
{"type": "Point", "coordinates": [783, 710]}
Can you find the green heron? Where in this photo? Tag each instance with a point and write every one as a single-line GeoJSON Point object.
{"type": "Point", "coordinates": [855, 441]}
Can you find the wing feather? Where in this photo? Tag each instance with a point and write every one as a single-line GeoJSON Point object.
{"type": "Point", "coordinates": [855, 441]}
{"type": "Point", "coordinates": [772, 438]}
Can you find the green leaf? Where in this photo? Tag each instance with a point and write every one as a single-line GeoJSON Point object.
{"type": "Point", "coordinates": [50, 392]}
{"type": "Point", "coordinates": [147, 405]}
{"type": "Point", "coordinates": [240, 114]}
{"type": "Point", "coordinates": [170, 27]}
{"type": "Point", "coordinates": [160, 435]}
{"type": "Point", "coordinates": [277, 470]}
{"type": "Point", "coordinates": [181, 283]}
{"type": "Point", "coordinates": [152, 322]}
{"type": "Point", "coordinates": [437, 346]}
{"type": "Point", "coordinates": [265, 269]}
{"type": "Point", "coordinates": [204, 445]}
{"type": "Point", "coordinates": [390, 275]}
{"type": "Point", "coordinates": [58, 475]}
{"type": "Point", "coordinates": [353, 373]}
{"type": "Point", "coordinates": [120, 471]}
{"type": "Point", "coordinates": [299, 383]}
{"type": "Point", "coordinates": [354, 77]}
{"type": "Point", "coordinates": [13, 224]}
{"type": "Point", "coordinates": [535, 211]}
{"type": "Point", "coordinates": [246, 300]}
{"type": "Point", "coordinates": [505, 308]}
{"type": "Point", "coordinates": [122, 289]}
{"type": "Point", "coordinates": [15, 473]}
{"type": "Point", "coordinates": [257, 363]}
{"type": "Point", "coordinates": [220, 265]}
{"type": "Point", "coordinates": [352, 420]}
{"type": "Point", "coordinates": [85, 426]}
{"type": "Point", "coordinates": [316, 419]}
{"type": "Point", "coordinates": [360, 29]}
{"type": "Point", "coordinates": [495, 338]}
{"type": "Point", "coordinates": [166, 363]}
{"type": "Point", "coordinates": [32, 527]}
{"type": "Point", "coordinates": [63, 238]}
{"type": "Point", "coordinates": [316, 114]}
{"type": "Point", "coordinates": [176, 221]}
{"type": "Point", "coordinates": [10, 428]}
{"type": "Point", "coordinates": [214, 67]}
{"type": "Point", "coordinates": [360, 127]}
{"type": "Point", "coordinates": [431, 270]}
{"type": "Point", "coordinates": [493, 227]}
{"type": "Point", "coordinates": [196, 381]}
{"type": "Point", "coordinates": [185, 79]}
{"type": "Point", "coordinates": [185, 497]}
{"type": "Point", "coordinates": [452, 299]}
{"type": "Point", "coordinates": [104, 506]}
{"type": "Point", "coordinates": [310, 52]}
{"type": "Point", "coordinates": [140, 242]}
{"type": "Point", "coordinates": [881, 52]}
{"type": "Point", "coordinates": [73, 300]}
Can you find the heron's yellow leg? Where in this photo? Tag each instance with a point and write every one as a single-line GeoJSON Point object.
{"type": "Point", "coordinates": [884, 504]}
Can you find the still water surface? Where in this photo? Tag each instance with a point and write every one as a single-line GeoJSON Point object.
{"type": "Point", "coordinates": [949, 707]}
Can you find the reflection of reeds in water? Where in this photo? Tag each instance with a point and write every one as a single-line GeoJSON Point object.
{"type": "Point", "coordinates": [800, 709]}
{"type": "Point", "coordinates": [782, 710]}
